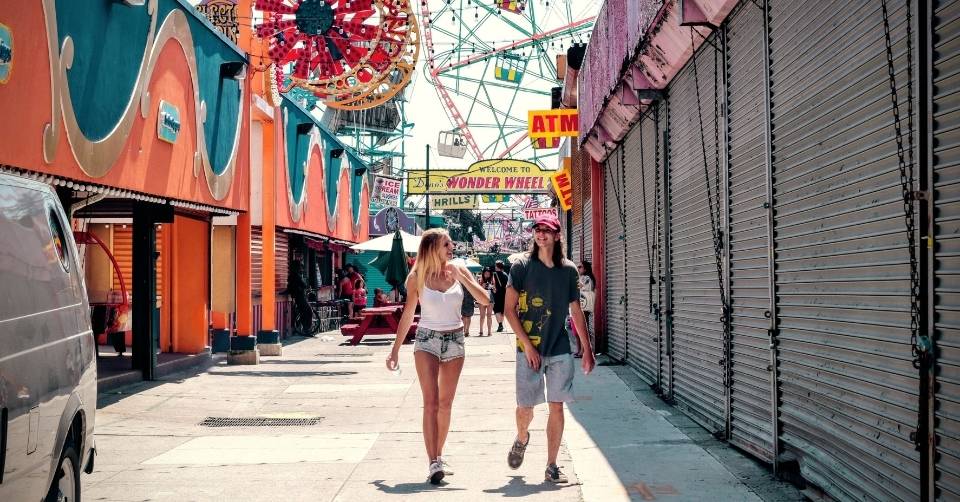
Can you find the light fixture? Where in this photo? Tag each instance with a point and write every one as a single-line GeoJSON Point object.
{"type": "Point", "coordinates": [336, 153]}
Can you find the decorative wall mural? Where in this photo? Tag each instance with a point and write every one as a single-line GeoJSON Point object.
{"type": "Point", "coordinates": [99, 121]}
{"type": "Point", "coordinates": [353, 54]}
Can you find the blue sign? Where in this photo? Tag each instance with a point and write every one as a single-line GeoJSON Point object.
{"type": "Point", "coordinates": [6, 53]}
{"type": "Point", "coordinates": [168, 122]}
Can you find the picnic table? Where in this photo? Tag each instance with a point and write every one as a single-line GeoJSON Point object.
{"type": "Point", "coordinates": [377, 321]}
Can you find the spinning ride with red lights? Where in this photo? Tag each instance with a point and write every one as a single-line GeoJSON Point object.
{"type": "Point", "coordinates": [353, 54]}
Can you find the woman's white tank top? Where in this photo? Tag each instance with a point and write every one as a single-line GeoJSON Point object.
{"type": "Point", "coordinates": [440, 310]}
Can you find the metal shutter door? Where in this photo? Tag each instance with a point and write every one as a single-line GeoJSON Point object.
{"type": "Point", "coordinates": [587, 231]}
{"type": "Point", "coordinates": [577, 233]}
{"type": "Point", "coordinates": [122, 248]}
{"type": "Point", "coordinates": [613, 253]}
{"type": "Point", "coordinates": [641, 324]}
{"type": "Point", "coordinates": [281, 263]}
{"type": "Point", "coordinates": [946, 160]}
{"type": "Point", "coordinates": [697, 330]}
{"type": "Point", "coordinates": [848, 389]}
{"type": "Point", "coordinates": [751, 412]}
{"type": "Point", "coordinates": [665, 283]}
{"type": "Point", "coordinates": [256, 261]}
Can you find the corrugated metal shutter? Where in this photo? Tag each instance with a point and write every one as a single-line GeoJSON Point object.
{"type": "Point", "coordinates": [281, 260]}
{"type": "Point", "coordinates": [577, 233]}
{"type": "Point", "coordinates": [697, 330]}
{"type": "Point", "coordinates": [256, 261]}
{"type": "Point", "coordinates": [663, 255]}
{"type": "Point", "coordinates": [848, 388]}
{"type": "Point", "coordinates": [642, 330]}
{"type": "Point", "coordinates": [946, 160]}
{"type": "Point", "coordinates": [613, 253]}
{"type": "Point", "coordinates": [587, 229]}
{"type": "Point", "coordinates": [751, 412]}
{"type": "Point", "coordinates": [122, 249]}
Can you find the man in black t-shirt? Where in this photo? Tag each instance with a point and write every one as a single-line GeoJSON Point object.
{"type": "Point", "coordinates": [499, 296]}
{"type": "Point", "coordinates": [541, 292]}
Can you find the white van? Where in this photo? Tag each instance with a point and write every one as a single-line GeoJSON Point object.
{"type": "Point", "coordinates": [48, 370]}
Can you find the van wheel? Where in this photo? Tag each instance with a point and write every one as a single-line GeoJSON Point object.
{"type": "Point", "coordinates": [66, 482]}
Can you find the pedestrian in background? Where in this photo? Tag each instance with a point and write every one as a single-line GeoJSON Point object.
{"type": "Point", "coordinates": [438, 286]}
{"type": "Point", "coordinates": [588, 285]}
{"type": "Point", "coordinates": [489, 287]}
{"type": "Point", "coordinates": [499, 293]}
{"type": "Point", "coordinates": [542, 291]}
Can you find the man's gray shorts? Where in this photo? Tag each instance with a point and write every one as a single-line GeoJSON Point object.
{"type": "Point", "coordinates": [558, 372]}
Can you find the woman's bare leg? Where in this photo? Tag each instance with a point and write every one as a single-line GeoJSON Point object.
{"type": "Point", "coordinates": [449, 377]}
{"type": "Point", "coordinates": [428, 370]}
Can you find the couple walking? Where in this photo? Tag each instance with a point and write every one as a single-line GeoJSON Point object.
{"type": "Point", "coordinates": [541, 289]}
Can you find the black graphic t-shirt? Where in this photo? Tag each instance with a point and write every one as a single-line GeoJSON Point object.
{"type": "Point", "coordinates": [545, 296]}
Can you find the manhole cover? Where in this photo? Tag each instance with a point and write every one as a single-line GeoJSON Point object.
{"type": "Point", "coordinates": [259, 422]}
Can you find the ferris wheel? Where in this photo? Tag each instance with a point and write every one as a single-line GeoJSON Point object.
{"type": "Point", "coordinates": [491, 61]}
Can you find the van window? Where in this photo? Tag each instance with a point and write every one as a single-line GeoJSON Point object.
{"type": "Point", "coordinates": [59, 239]}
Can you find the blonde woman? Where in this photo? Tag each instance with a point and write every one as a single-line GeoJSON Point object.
{"type": "Point", "coordinates": [438, 352]}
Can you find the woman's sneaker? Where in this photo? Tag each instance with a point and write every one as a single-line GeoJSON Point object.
{"type": "Point", "coordinates": [553, 474]}
{"type": "Point", "coordinates": [435, 473]}
{"type": "Point", "coordinates": [515, 457]}
{"type": "Point", "coordinates": [447, 471]}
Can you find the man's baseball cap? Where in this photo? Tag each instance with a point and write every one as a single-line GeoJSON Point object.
{"type": "Point", "coordinates": [549, 221]}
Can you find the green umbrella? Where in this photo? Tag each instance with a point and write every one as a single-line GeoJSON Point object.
{"type": "Point", "coordinates": [393, 263]}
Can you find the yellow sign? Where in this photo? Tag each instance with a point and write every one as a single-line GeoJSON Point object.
{"type": "Point", "coordinates": [552, 123]}
{"type": "Point", "coordinates": [453, 201]}
{"type": "Point", "coordinates": [563, 185]}
{"type": "Point", "coordinates": [483, 177]}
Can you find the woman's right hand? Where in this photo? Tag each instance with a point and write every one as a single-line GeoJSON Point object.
{"type": "Point", "coordinates": [392, 363]}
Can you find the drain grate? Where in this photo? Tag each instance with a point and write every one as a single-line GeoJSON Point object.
{"type": "Point", "coordinates": [259, 422]}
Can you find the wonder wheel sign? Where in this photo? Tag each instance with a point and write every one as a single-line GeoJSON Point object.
{"type": "Point", "coordinates": [353, 54]}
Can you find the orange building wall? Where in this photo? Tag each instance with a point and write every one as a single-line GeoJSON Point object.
{"type": "Point", "coordinates": [146, 163]}
{"type": "Point", "coordinates": [190, 285]}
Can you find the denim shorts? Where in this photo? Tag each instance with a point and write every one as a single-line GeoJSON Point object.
{"type": "Point", "coordinates": [557, 371]}
{"type": "Point", "coordinates": [446, 345]}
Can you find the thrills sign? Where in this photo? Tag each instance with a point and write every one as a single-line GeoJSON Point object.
{"type": "Point", "coordinates": [495, 176]}
{"type": "Point", "coordinates": [550, 124]}
{"type": "Point", "coordinates": [453, 202]}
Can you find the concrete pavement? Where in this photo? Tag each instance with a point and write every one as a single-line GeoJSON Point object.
{"type": "Point", "coordinates": [355, 436]}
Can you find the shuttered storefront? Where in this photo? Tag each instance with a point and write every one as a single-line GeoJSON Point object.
{"type": "Point", "coordinates": [281, 260]}
{"type": "Point", "coordinates": [640, 169]}
{"type": "Point", "coordinates": [122, 249]}
{"type": "Point", "coordinates": [848, 389]}
{"type": "Point", "coordinates": [946, 160]}
{"type": "Point", "coordinates": [256, 262]}
{"type": "Point", "coordinates": [665, 354]}
{"type": "Point", "coordinates": [697, 331]}
{"type": "Point", "coordinates": [751, 411]}
{"type": "Point", "coordinates": [614, 259]}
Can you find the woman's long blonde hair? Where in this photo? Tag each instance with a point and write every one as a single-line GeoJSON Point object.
{"type": "Point", "coordinates": [431, 259]}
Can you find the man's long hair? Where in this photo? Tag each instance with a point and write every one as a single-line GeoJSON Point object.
{"type": "Point", "coordinates": [430, 258]}
{"type": "Point", "coordinates": [558, 254]}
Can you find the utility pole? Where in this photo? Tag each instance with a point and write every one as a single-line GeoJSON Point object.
{"type": "Point", "coordinates": [427, 218]}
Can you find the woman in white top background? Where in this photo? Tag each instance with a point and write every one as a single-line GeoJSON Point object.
{"type": "Point", "coordinates": [438, 352]}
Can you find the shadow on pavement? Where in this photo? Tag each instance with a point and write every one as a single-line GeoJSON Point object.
{"type": "Point", "coordinates": [410, 488]}
{"type": "Point", "coordinates": [283, 373]}
{"type": "Point", "coordinates": [518, 487]}
{"type": "Point", "coordinates": [267, 362]}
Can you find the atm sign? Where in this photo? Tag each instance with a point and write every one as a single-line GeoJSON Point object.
{"type": "Point", "coordinates": [552, 123]}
